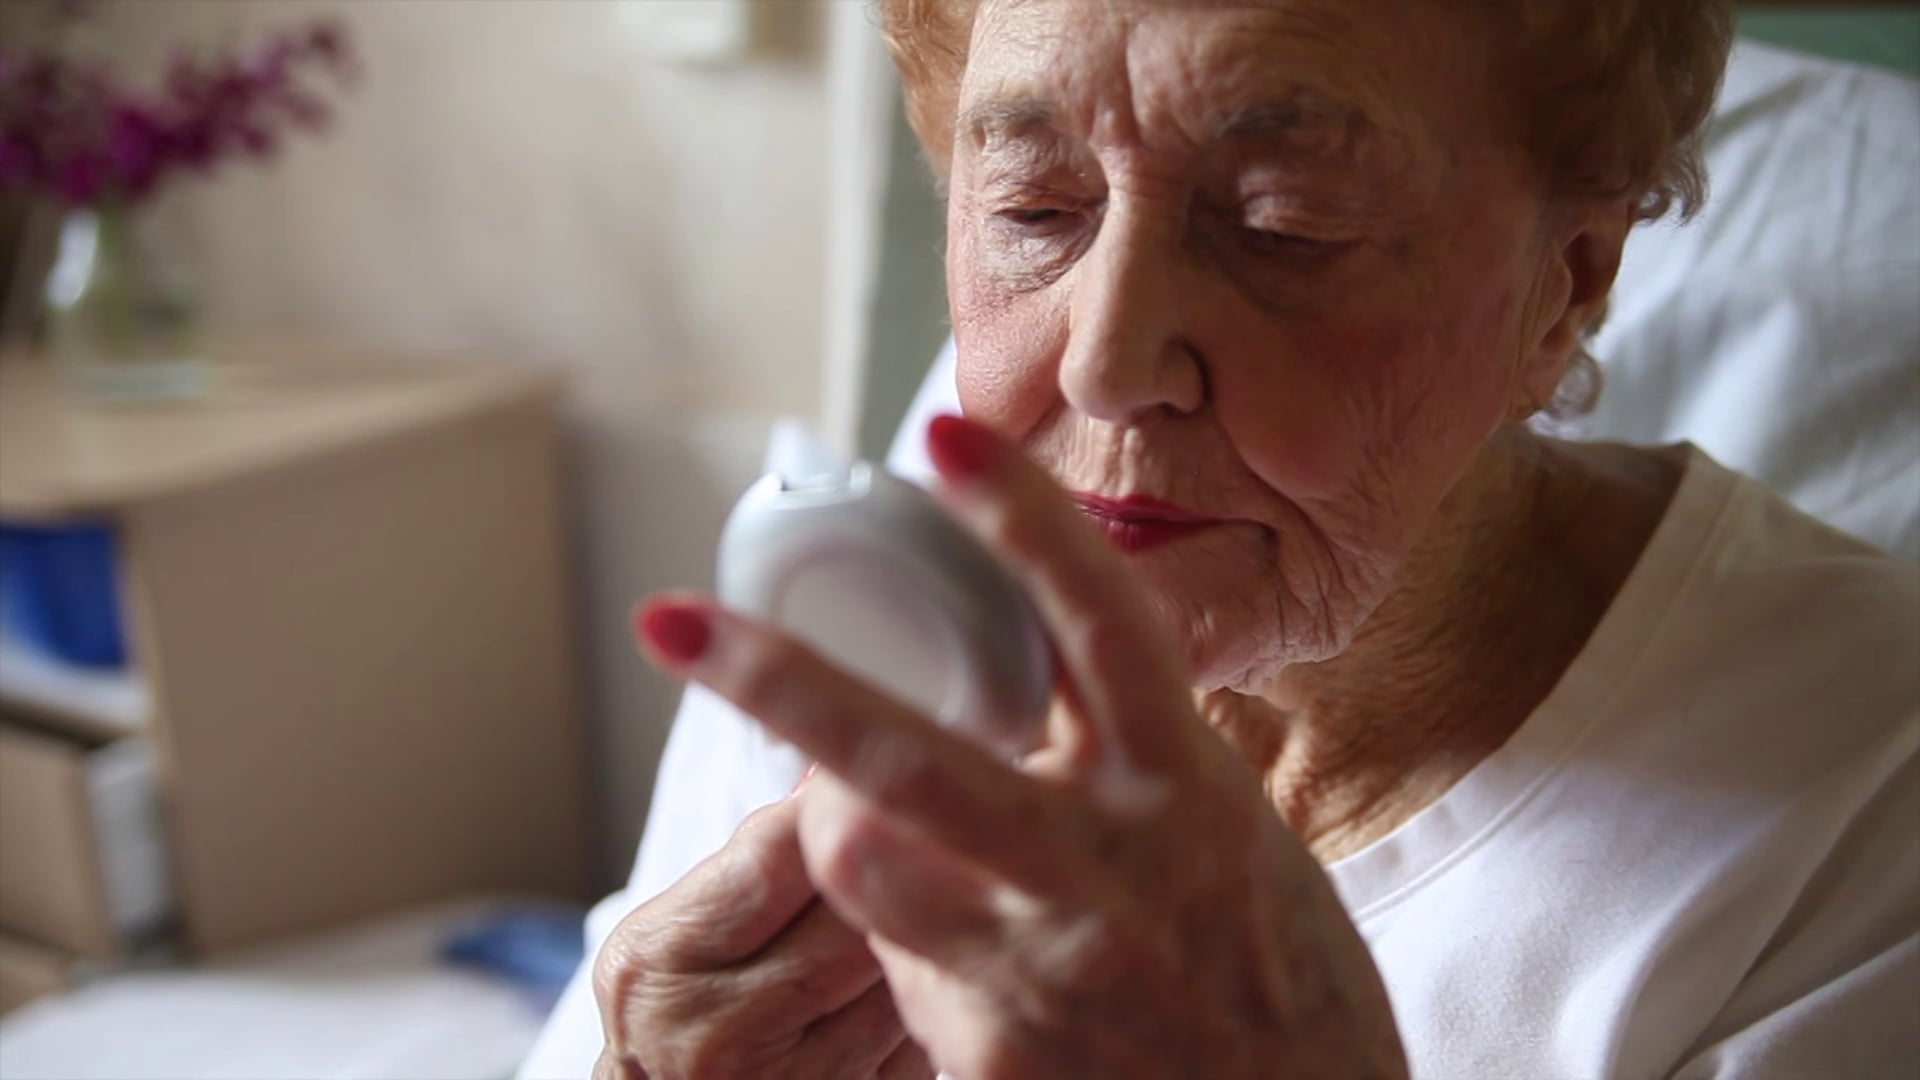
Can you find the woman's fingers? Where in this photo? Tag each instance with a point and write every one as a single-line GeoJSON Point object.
{"type": "Point", "coordinates": [735, 901]}
{"type": "Point", "coordinates": [818, 964]}
{"type": "Point", "coordinates": [613, 1064]}
{"type": "Point", "coordinates": [908, 1062]}
{"type": "Point", "coordinates": [1109, 641]}
{"type": "Point", "coordinates": [944, 785]}
{"type": "Point", "coordinates": [886, 881]}
{"type": "Point", "coordinates": [856, 1040]}
{"type": "Point", "coordinates": [724, 910]}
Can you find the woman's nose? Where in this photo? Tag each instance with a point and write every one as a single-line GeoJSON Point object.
{"type": "Point", "coordinates": [1127, 351]}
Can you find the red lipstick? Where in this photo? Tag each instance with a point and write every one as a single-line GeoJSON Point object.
{"type": "Point", "coordinates": [1139, 522]}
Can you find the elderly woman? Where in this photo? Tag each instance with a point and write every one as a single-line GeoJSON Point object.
{"type": "Point", "coordinates": [1393, 737]}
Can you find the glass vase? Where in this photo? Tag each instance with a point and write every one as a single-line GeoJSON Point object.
{"type": "Point", "coordinates": [122, 320]}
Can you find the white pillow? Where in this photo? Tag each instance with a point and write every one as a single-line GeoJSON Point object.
{"type": "Point", "coordinates": [937, 394]}
{"type": "Point", "coordinates": [1780, 330]}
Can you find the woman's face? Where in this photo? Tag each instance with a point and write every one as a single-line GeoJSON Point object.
{"type": "Point", "coordinates": [1270, 267]}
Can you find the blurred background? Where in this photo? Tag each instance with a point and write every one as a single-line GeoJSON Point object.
{"type": "Point", "coordinates": [364, 361]}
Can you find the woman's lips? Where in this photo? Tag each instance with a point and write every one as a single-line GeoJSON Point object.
{"type": "Point", "coordinates": [1139, 522]}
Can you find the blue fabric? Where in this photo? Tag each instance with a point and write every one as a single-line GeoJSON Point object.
{"type": "Point", "coordinates": [59, 592]}
{"type": "Point", "coordinates": [535, 946]}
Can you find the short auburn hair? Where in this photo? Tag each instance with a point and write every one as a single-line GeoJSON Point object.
{"type": "Point", "coordinates": [1619, 88]}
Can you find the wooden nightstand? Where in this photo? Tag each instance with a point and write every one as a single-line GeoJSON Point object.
{"type": "Point", "coordinates": [345, 585]}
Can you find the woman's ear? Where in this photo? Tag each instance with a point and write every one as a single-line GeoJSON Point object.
{"type": "Point", "coordinates": [1571, 296]}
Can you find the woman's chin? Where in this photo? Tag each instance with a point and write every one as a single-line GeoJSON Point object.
{"type": "Point", "coordinates": [1236, 628]}
{"type": "Point", "coordinates": [1222, 634]}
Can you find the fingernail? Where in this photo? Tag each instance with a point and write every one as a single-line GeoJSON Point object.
{"type": "Point", "coordinates": [679, 634]}
{"type": "Point", "coordinates": [804, 777]}
{"type": "Point", "coordinates": [960, 447]}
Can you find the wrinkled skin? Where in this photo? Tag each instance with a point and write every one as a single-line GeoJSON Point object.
{"type": "Point", "coordinates": [740, 970]}
{"type": "Point", "coordinates": [1277, 263]}
{"type": "Point", "coordinates": [1272, 263]}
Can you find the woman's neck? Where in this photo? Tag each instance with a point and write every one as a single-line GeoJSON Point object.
{"type": "Point", "coordinates": [1526, 554]}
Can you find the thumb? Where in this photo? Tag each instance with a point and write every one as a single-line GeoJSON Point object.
{"type": "Point", "coordinates": [740, 897]}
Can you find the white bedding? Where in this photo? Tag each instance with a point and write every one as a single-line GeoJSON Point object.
{"type": "Point", "coordinates": [373, 1002]}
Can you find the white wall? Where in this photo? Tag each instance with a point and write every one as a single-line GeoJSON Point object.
{"type": "Point", "coordinates": [514, 180]}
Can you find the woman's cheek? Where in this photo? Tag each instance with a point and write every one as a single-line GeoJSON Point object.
{"type": "Point", "coordinates": [1308, 407]}
{"type": "Point", "coordinates": [1008, 346]}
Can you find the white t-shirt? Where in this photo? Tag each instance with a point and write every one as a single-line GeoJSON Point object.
{"type": "Point", "coordinates": [1699, 857]}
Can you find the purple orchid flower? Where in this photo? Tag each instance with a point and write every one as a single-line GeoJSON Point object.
{"type": "Point", "coordinates": [72, 131]}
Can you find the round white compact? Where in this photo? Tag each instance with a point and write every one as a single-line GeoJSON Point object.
{"type": "Point", "coordinates": [871, 572]}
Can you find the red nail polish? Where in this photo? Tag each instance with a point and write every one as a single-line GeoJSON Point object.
{"type": "Point", "coordinates": [960, 447]}
{"type": "Point", "coordinates": [680, 634]}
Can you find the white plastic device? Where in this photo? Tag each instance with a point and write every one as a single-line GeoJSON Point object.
{"type": "Point", "coordinates": [871, 572]}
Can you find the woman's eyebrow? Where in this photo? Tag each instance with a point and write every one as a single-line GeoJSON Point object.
{"type": "Point", "coordinates": [1000, 119]}
{"type": "Point", "coordinates": [996, 119]}
{"type": "Point", "coordinates": [1300, 122]}
{"type": "Point", "coordinates": [1287, 116]}
{"type": "Point", "coordinates": [1311, 125]}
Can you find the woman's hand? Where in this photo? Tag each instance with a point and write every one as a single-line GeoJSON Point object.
{"type": "Point", "coordinates": [739, 970]}
{"type": "Point", "coordinates": [1125, 902]}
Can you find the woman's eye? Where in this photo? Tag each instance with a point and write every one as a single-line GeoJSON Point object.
{"type": "Point", "coordinates": [1031, 217]}
{"type": "Point", "coordinates": [1305, 249]}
